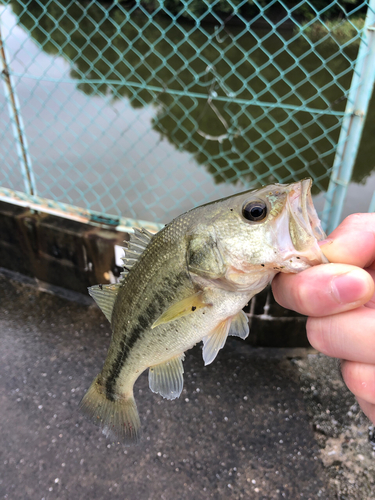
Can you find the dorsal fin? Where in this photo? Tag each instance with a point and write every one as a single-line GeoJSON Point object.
{"type": "Point", "coordinates": [134, 248]}
{"type": "Point", "coordinates": [105, 296]}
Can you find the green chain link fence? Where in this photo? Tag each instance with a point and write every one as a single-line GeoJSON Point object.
{"type": "Point", "coordinates": [128, 111]}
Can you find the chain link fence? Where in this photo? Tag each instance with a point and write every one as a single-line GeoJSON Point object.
{"type": "Point", "coordinates": [136, 111]}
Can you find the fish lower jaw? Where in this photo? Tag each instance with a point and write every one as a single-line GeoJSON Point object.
{"type": "Point", "coordinates": [297, 264]}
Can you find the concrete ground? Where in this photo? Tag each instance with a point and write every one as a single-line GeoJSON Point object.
{"type": "Point", "coordinates": [256, 424]}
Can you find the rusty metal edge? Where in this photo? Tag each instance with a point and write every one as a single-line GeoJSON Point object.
{"type": "Point", "coordinates": [97, 219]}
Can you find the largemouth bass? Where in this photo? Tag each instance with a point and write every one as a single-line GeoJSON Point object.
{"type": "Point", "coordinates": [189, 283]}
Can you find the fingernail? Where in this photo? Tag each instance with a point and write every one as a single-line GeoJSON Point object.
{"type": "Point", "coordinates": [349, 287]}
{"type": "Point", "coordinates": [327, 241]}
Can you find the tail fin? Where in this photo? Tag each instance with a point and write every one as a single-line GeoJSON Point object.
{"type": "Point", "coordinates": [117, 418]}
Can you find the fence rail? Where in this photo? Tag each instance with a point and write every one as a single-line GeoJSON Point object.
{"type": "Point", "coordinates": [120, 114]}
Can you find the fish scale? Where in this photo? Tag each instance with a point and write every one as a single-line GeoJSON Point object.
{"type": "Point", "coordinates": [189, 283]}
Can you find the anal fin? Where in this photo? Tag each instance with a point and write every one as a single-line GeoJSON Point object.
{"type": "Point", "coordinates": [167, 378]}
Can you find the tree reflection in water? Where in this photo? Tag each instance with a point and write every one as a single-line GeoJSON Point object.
{"type": "Point", "coordinates": [204, 81]}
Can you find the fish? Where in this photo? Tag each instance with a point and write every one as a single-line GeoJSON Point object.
{"type": "Point", "coordinates": [189, 283]}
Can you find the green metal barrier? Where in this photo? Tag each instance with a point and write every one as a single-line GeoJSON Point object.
{"type": "Point", "coordinates": [116, 113]}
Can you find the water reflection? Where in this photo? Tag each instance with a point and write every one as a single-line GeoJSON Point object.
{"type": "Point", "coordinates": [179, 71]}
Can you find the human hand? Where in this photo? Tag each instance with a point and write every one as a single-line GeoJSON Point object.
{"type": "Point", "coordinates": [339, 299]}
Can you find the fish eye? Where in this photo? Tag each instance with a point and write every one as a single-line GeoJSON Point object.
{"type": "Point", "coordinates": [255, 210]}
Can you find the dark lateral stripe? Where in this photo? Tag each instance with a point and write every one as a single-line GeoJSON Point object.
{"type": "Point", "coordinates": [144, 321]}
{"type": "Point", "coordinates": [120, 360]}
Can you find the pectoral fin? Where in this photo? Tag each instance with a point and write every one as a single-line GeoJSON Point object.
{"type": "Point", "coordinates": [213, 342]}
{"type": "Point", "coordinates": [239, 326]}
{"type": "Point", "coordinates": [181, 308]}
{"type": "Point", "coordinates": [167, 378]}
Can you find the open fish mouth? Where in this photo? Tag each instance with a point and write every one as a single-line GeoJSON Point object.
{"type": "Point", "coordinates": [305, 229]}
{"type": "Point", "coordinates": [304, 223]}
{"type": "Point", "coordinates": [308, 210]}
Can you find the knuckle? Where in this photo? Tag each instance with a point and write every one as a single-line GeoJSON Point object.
{"type": "Point", "coordinates": [320, 333]}
{"type": "Point", "coordinates": [313, 330]}
{"type": "Point", "coordinates": [360, 379]}
{"type": "Point", "coordinates": [351, 219]}
{"type": "Point", "coordinates": [358, 220]}
{"type": "Point", "coordinates": [368, 385]}
{"type": "Point", "coordinates": [282, 291]}
{"type": "Point", "coordinates": [347, 375]}
{"type": "Point", "coordinates": [302, 297]}
{"type": "Point", "coordinates": [371, 393]}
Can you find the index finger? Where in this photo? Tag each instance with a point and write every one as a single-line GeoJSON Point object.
{"type": "Point", "coordinates": [323, 290]}
{"type": "Point", "coordinates": [352, 242]}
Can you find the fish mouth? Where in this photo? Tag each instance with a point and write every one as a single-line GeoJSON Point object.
{"type": "Point", "coordinates": [304, 225]}
{"type": "Point", "coordinates": [309, 211]}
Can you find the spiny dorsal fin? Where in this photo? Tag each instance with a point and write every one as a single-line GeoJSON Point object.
{"type": "Point", "coordinates": [134, 249]}
{"type": "Point", "coordinates": [142, 234]}
{"type": "Point", "coordinates": [167, 378]}
{"type": "Point", "coordinates": [105, 296]}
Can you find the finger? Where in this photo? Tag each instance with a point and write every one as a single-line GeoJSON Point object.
{"type": "Point", "coordinates": [371, 302]}
{"type": "Point", "coordinates": [352, 242]}
{"type": "Point", "coordinates": [349, 335]}
{"type": "Point", "coordinates": [323, 290]}
{"type": "Point", "coordinates": [360, 379]}
{"type": "Point", "coordinates": [368, 409]}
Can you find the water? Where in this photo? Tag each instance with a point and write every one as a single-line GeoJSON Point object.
{"type": "Point", "coordinates": [151, 155]}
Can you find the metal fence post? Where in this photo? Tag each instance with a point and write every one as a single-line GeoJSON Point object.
{"type": "Point", "coordinates": [17, 122]}
{"type": "Point", "coordinates": [372, 204]}
{"type": "Point", "coordinates": [245, 107]}
{"type": "Point", "coordinates": [351, 130]}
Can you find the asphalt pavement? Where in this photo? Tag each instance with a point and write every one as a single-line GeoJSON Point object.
{"type": "Point", "coordinates": [258, 423]}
